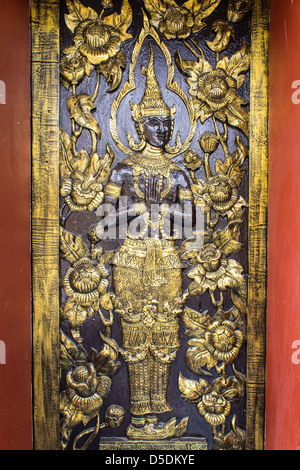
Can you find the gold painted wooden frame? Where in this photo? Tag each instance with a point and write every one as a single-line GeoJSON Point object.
{"type": "Point", "coordinates": [45, 224]}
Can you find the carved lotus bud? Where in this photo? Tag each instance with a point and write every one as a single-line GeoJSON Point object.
{"type": "Point", "coordinates": [209, 142]}
{"type": "Point", "coordinates": [106, 4]}
{"type": "Point", "coordinates": [72, 67]}
{"type": "Point", "coordinates": [237, 9]}
{"type": "Point", "coordinates": [114, 416]}
{"type": "Point", "coordinates": [192, 160]}
{"type": "Point", "coordinates": [92, 235]}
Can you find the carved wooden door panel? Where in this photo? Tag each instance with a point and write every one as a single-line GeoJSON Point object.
{"type": "Point", "coordinates": [149, 211]}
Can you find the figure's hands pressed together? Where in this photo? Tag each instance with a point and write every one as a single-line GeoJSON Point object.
{"type": "Point", "coordinates": [152, 192]}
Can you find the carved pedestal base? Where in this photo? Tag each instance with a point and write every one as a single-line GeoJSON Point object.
{"type": "Point", "coordinates": [186, 444]}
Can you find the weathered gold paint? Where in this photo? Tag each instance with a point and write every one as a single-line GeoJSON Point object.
{"type": "Point", "coordinates": [45, 223]}
{"type": "Point", "coordinates": [258, 210]}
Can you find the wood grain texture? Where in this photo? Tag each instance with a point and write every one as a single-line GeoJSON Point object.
{"type": "Point", "coordinates": [45, 221]}
{"type": "Point", "coordinates": [258, 210]}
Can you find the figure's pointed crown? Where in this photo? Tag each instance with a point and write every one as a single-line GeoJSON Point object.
{"type": "Point", "coordinates": [152, 103]}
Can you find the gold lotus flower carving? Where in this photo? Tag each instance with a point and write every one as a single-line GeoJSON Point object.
{"type": "Point", "coordinates": [178, 22]}
{"type": "Point", "coordinates": [96, 42]}
{"type": "Point", "coordinates": [214, 408]}
{"type": "Point", "coordinates": [215, 271]}
{"type": "Point", "coordinates": [213, 400]}
{"type": "Point", "coordinates": [215, 91]}
{"type": "Point", "coordinates": [223, 341]}
{"type": "Point", "coordinates": [85, 281]}
{"type": "Point", "coordinates": [83, 176]}
{"type": "Point", "coordinates": [82, 399]}
{"type": "Point", "coordinates": [220, 191]}
{"type": "Point", "coordinates": [87, 383]}
{"type": "Point", "coordinates": [213, 341]}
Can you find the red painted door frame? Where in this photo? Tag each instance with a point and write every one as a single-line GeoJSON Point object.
{"type": "Point", "coordinates": [15, 317]}
{"type": "Point", "coordinates": [283, 317]}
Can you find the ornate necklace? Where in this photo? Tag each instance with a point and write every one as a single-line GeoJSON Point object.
{"type": "Point", "coordinates": [151, 162]}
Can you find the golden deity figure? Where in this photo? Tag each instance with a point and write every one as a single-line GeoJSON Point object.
{"type": "Point", "coordinates": [147, 277]}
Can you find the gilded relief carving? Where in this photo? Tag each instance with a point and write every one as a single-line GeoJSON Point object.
{"type": "Point", "coordinates": [178, 22]}
{"type": "Point", "coordinates": [179, 230]}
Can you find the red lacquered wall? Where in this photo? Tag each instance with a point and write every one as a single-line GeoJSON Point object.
{"type": "Point", "coordinates": [283, 322]}
{"type": "Point", "coordinates": [15, 323]}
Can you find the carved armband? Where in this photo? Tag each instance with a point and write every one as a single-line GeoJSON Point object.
{"type": "Point", "coordinates": [185, 195]}
{"type": "Point", "coordinates": [113, 190]}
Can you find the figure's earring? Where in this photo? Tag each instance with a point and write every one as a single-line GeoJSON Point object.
{"type": "Point", "coordinates": [137, 117]}
{"type": "Point", "coordinates": [178, 144]}
{"type": "Point", "coordinates": [137, 147]}
{"type": "Point", "coordinates": [172, 129]}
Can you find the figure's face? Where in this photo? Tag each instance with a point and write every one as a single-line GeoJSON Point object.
{"type": "Point", "coordinates": [157, 130]}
